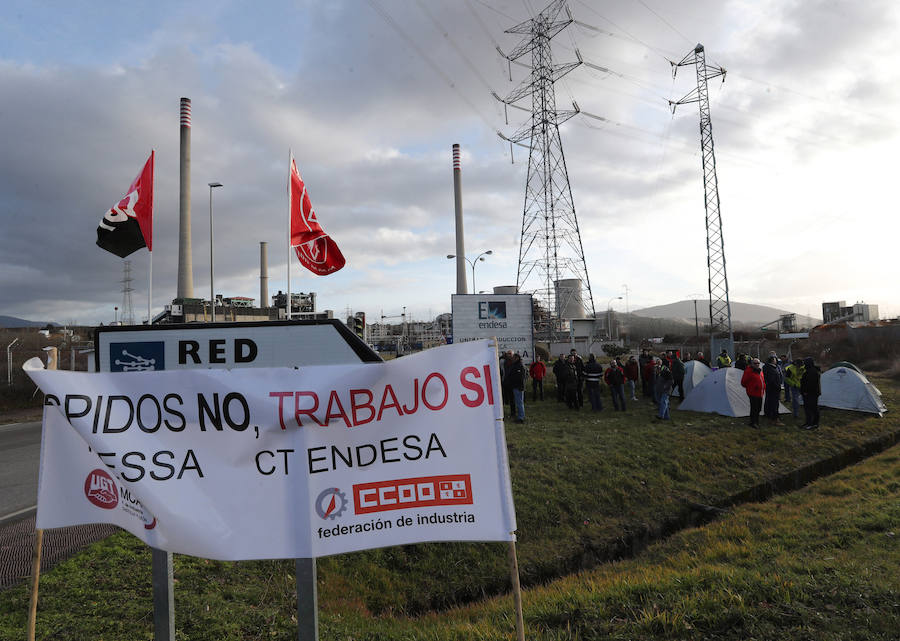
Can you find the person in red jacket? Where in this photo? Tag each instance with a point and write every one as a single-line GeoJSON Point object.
{"type": "Point", "coordinates": [632, 374]}
{"type": "Point", "coordinates": [537, 371]}
{"type": "Point", "coordinates": [755, 384]}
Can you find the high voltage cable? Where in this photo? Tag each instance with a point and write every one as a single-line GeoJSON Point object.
{"type": "Point", "coordinates": [449, 81]}
{"type": "Point", "coordinates": [666, 22]}
{"type": "Point", "coordinates": [453, 44]}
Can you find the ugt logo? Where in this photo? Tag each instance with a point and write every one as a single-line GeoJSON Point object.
{"type": "Point", "coordinates": [492, 309]}
{"type": "Point", "coordinates": [100, 489]}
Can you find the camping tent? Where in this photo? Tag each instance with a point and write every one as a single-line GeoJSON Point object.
{"type": "Point", "coordinates": [845, 364]}
{"type": "Point", "coordinates": [694, 372]}
{"type": "Point", "coordinates": [721, 393]}
{"type": "Point", "coordinates": [845, 388]}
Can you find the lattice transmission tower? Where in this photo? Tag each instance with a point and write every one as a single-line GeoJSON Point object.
{"type": "Point", "coordinates": [551, 256]}
{"type": "Point", "coordinates": [721, 334]}
{"type": "Point", "coordinates": [127, 306]}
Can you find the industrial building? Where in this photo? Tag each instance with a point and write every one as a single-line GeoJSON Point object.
{"type": "Point", "coordinates": [241, 309]}
{"type": "Point", "coordinates": [840, 311]}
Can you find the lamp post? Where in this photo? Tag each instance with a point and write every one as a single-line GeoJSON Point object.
{"type": "Point", "coordinates": [212, 295]}
{"type": "Point", "coordinates": [117, 315]}
{"type": "Point", "coordinates": [696, 318]}
{"type": "Point", "coordinates": [473, 263]}
{"type": "Point", "coordinates": [609, 315]}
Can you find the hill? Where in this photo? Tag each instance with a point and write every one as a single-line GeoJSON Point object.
{"type": "Point", "coordinates": [11, 322]}
{"type": "Point", "coordinates": [743, 313]}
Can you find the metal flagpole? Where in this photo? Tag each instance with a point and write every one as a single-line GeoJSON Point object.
{"type": "Point", "coordinates": [153, 193]}
{"type": "Point", "coordinates": [290, 206]}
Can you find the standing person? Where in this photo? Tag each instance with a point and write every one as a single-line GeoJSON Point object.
{"type": "Point", "coordinates": [572, 383]}
{"type": "Point", "coordinates": [773, 380]}
{"type": "Point", "coordinates": [741, 361]}
{"type": "Point", "coordinates": [783, 364]}
{"type": "Point", "coordinates": [811, 389]}
{"type": "Point", "coordinates": [642, 363]}
{"type": "Point", "coordinates": [516, 376]}
{"type": "Point", "coordinates": [663, 385]}
{"type": "Point", "coordinates": [723, 360]}
{"type": "Point", "coordinates": [506, 362]}
{"type": "Point", "coordinates": [592, 373]}
{"type": "Point", "coordinates": [559, 373]}
{"type": "Point", "coordinates": [537, 371]}
{"type": "Point", "coordinates": [792, 378]}
{"type": "Point", "coordinates": [649, 374]}
{"type": "Point", "coordinates": [632, 373]}
{"type": "Point", "coordinates": [615, 379]}
{"type": "Point", "coordinates": [579, 367]}
{"type": "Point", "coordinates": [753, 381]}
{"type": "Point", "coordinates": [678, 372]}
{"type": "Point", "coordinates": [702, 358]}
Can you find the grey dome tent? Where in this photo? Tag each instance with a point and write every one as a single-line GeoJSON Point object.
{"type": "Point", "coordinates": [721, 393]}
{"type": "Point", "coordinates": [694, 372]}
{"type": "Point", "coordinates": [847, 389]}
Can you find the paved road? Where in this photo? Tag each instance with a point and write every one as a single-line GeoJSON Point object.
{"type": "Point", "coordinates": [20, 449]}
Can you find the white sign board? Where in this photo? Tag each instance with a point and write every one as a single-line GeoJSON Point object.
{"type": "Point", "coordinates": [282, 462]}
{"type": "Point", "coordinates": [229, 345]}
{"type": "Point", "coordinates": [508, 317]}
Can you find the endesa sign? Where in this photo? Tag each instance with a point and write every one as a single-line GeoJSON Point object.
{"type": "Point", "coordinates": [506, 317]}
{"type": "Point", "coordinates": [277, 462]}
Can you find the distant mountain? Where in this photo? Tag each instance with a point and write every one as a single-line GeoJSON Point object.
{"type": "Point", "coordinates": [11, 322]}
{"type": "Point", "coordinates": [742, 313]}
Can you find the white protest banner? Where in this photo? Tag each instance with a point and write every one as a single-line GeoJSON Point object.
{"type": "Point", "coordinates": [280, 462]}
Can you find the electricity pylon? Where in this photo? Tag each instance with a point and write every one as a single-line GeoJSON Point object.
{"type": "Point", "coordinates": [127, 306]}
{"type": "Point", "coordinates": [719, 303]}
{"type": "Point", "coordinates": [550, 248]}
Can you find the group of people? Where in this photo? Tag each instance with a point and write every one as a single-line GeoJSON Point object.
{"type": "Point", "coordinates": [660, 375]}
{"type": "Point", "coordinates": [763, 382]}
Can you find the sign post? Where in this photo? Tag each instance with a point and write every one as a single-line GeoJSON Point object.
{"type": "Point", "coordinates": [166, 347]}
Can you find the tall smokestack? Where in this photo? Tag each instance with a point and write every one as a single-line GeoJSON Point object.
{"type": "Point", "coordinates": [461, 286]}
{"type": "Point", "coordinates": [185, 261]}
{"type": "Point", "coordinates": [263, 274]}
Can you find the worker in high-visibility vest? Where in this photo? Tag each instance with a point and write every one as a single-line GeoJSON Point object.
{"type": "Point", "coordinates": [723, 360]}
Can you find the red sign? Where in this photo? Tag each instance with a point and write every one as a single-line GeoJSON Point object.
{"type": "Point", "coordinates": [424, 491]}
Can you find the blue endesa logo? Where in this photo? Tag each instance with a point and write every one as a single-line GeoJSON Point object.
{"type": "Point", "coordinates": [137, 357]}
{"type": "Point", "coordinates": [491, 314]}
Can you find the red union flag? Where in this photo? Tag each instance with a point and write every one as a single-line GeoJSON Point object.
{"type": "Point", "coordinates": [128, 225]}
{"type": "Point", "coordinates": [315, 249]}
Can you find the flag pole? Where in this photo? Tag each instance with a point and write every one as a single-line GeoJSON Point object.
{"type": "Point", "coordinates": [153, 195]}
{"type": "Point", "coordinates": [287, 306]}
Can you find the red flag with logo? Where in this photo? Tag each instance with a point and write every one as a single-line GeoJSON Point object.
{"type": "Point", "coordinates": [128, 225]}
{"type": "Point", "coordinates": [315, 249]}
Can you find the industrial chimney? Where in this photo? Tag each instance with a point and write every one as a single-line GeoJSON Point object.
{"type": "Point", "coordinates": [185, 261]}
{"type": "Point", "coordinates": [263, 274]}
{"type": "Point", "coordinates": [461, 286]}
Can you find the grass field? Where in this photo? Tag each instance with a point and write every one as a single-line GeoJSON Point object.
{"type": "Point", "coordinates": [587, 487]}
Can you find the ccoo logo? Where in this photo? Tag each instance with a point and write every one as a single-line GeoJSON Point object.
{"type": "Point", "coordinates": [100, 489]}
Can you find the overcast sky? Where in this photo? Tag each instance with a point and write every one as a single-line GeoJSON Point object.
{"type": "Point", "coordinates": [371, 95]}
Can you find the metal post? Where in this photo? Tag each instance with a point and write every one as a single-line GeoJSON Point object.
{"type": "Point", "coordinates": [307, 600]}
{"type": "Point", "coordinates": [9, 361]}
{"type": "Point", "coordinates": [163, 596]}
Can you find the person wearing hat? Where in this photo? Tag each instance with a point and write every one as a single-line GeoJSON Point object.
{"type": "Point", "coordinates": [773, 379]}
{"type": "Point", "coordinates": [811, 389]}
{"type": "Point", "coordinates": [723, 360]}
{"type": "Point", "coordinates": [755, 384]}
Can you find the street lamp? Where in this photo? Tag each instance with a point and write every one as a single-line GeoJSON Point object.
{"type": "Point", "coordinates": [117, 315]}
{"type": "Point", "coordinates": [212, 296]}
{"type": "Point", "coordinates": [473, 263]}
{"type": "Point", "coordinates": [609, 315]}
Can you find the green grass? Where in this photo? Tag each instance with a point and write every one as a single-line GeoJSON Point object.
{"type": "Point", "coordinates": [583, 483]}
